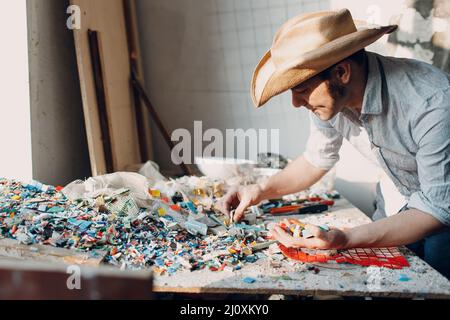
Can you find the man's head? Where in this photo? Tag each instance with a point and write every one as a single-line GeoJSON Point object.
{"type": "Point", "coordinates": [308, 44]}
{"type": "Point", "coordinates": [341, 85]}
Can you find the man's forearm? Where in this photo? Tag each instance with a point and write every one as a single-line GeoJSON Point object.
{"type": "Point", "coordinates": [401, 229]}
{"type": "Point", "coordinates": [297, 176]}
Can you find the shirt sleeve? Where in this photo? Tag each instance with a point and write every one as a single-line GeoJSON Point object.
{"type": "Point", "coordinates": [324, 143]}
{"type": "Point", "coordinates": [431, 132]}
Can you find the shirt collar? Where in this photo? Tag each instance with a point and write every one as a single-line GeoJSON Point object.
{"type": "Point", "coordinates": [372, 103]}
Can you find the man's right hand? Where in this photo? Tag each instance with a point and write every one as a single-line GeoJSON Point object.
{"type": "Point", "coordinates": [297, 176]}
{"type": "Point", "coordinates": [239, 199]}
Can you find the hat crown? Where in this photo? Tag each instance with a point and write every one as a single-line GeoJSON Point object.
{"type": "Point", "coordinates": [308, 32]}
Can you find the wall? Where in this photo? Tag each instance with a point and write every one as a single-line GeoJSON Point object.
{"type": "Point", "coordinates": [199, 56]}
{"type": "Point", "coordinates": [15, 160]}
{"type": "Point", "coordinates": [423, 34]}
{"type": "Point", "coordinates": [59, 145]}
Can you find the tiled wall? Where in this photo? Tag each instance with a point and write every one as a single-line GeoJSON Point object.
{"type": "Point", "coordinates": [423, 34]}
{"type": "Point", "coordinates": [199, 56]}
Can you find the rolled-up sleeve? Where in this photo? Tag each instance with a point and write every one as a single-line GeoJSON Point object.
{"type": "Point", "coordinates": [431, 131]}
{"type": "Point", "coordinates": [324, 143]}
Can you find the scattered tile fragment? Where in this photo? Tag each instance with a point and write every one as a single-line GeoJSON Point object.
{"type": "Point", "coordinates": [249, 280]}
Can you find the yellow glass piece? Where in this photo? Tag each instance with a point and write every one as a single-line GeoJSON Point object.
{"type": "Point", "coordinates": [161, 212]}
{"type": "Point", "coordinates": [247, 251]}
{"type": "Point", "coordinates": [155, 193]}
{"type": "Point", "coordinates": [200, 192]}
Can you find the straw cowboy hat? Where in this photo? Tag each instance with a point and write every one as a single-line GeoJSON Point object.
{"type": "Point", "coordinates": [306, 45]}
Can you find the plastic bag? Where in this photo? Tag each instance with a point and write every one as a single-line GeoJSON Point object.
{"type": "Point", "coordinates": [106, 185]}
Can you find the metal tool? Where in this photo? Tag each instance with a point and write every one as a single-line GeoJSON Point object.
{"type": "Point", "coordinates": [299, 209]}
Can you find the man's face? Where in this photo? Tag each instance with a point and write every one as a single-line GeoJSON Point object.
{"type": "Point", "coordinates": [323, 97]}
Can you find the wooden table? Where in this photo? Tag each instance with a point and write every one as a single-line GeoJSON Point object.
{"type": "Point", "coordinates": [333, 279]}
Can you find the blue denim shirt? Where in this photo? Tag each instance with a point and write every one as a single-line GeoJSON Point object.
{"type": "Point", "coordinates": [405, 120]}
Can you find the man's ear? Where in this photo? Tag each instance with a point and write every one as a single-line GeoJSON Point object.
{"type": "Point", "coordinates": [342, 72]}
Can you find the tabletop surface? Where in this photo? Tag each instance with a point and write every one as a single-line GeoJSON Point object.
{"type": "Point", "coordinates": [332, 279]}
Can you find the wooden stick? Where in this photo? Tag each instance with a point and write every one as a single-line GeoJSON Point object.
{"type": "Point", "coordinates": [133, 53]}
{"type": "Point", "coordinates": [137, 84]}
{"type": "Point", "coordinates": [94, 48]}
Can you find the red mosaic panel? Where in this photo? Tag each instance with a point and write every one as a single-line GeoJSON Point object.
{"type": "Point", "coordinates": [381, 257]}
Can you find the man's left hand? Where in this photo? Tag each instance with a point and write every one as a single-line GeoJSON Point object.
{"type": "Point", "coordinates": [325, 240]}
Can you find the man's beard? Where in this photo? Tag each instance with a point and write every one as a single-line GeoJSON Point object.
{"type": "Point", "coordinates": [337, 91]}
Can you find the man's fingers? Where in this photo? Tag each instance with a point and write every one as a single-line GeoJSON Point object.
{"type": "Point", "coordinates": [239, 213]}
{"type": "Point", "coordinates": [276, 234]}
{"type": "Point", "coordinates": [223, 206]}
{"type": "Point", "coordinates": [285, 239]}
{"type": "Point", "coordinates": [316, 231]}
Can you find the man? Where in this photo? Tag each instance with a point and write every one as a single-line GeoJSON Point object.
{"type": "Point", "coordinates": [400, 108]}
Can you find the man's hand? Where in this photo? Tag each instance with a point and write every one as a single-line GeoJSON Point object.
{"type": "Point", "coordinates": [240, 198]}
{"type": "Point", "coordinates": [325, 240]}
{"type": "Point", "coordinates": [297, 176]}
{"type": "Point", "coordinates": [397, 230]}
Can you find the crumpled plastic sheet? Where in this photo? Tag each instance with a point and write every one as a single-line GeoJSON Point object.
{"type": "Point", "coordinates": [106, 185]}
{"type": "Point", "coordinates": [151, 171]}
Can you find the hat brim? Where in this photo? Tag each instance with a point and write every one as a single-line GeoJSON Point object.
{"type": "Point", "coordinates": [269, 81]}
